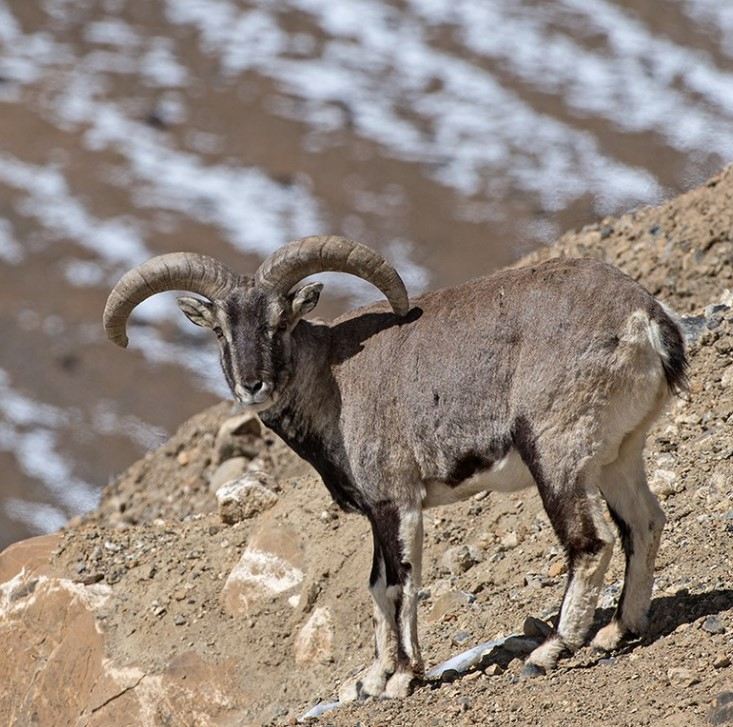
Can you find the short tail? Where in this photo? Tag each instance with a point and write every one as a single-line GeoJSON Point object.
{"type": "Point", "coordinates": [670, 345]}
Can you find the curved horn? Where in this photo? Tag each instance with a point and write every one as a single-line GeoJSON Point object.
{"type": "Point", "coordinates": [300, 258]}
{"type": "Point", "coordinates": [176, 271]}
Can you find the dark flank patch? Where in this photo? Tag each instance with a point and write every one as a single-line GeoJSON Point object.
{"type": "Point", "coordinates": [466, 466]}
{"type": "Point", "coordinates": [675, 364]}
{"type": "Point", "coordinates": [627, 543]}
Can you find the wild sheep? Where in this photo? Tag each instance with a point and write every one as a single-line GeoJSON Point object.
{"type": "Point", "coordinates": [548, 375]}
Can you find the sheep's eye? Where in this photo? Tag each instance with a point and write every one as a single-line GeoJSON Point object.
{"type": "Point", "coordinates": [217, 331]}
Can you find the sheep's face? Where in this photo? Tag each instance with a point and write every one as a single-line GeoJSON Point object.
{"type": "Point", "coordinates": [253, 327]}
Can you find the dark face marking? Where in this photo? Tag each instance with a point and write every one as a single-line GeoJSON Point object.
{"type": "Point", "coordinates": [255, 345]}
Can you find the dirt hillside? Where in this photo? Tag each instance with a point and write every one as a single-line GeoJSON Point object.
{"type": "Point", "coordinates": [197, 622]}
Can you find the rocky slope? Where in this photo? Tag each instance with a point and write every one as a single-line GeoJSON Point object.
{"type": "Point", "coordinates": [152, 611]}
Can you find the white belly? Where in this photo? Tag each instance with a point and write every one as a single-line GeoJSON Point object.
{"type": "Point", "coordinates": [507, 475]}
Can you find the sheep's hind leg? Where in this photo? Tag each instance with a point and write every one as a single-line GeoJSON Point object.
{"type": "Point", "coordinates": [640, 521]}
{"type": "Point", "coordinates": [393, 583]}
{"type": "Point", "coordinates": [576, 516]}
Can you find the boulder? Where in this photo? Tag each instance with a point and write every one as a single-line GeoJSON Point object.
{"type": "Point", "coordinates": [58, 666]}
{"type": "Point", "coordinates": [244, 498]}
{"type": "Point", "coordinates": [236, 436]}
{"type": "Point", "coordinates": [314, 642]}
{"type": "Point", "coordinates": [228, 470]}
{"type": "Point", "coordinates": [272, 565]}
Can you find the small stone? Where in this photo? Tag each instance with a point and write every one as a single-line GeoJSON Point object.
{"type": "Point", "coordinates": [557, 568]}
{"type": "Point", "coordinates": [493, 670]}
{"type": "Point", "coordinates": [722, 712]}
{"type": "Point", "coordinates": [183, 458]}
{"type": "Point", "coordinates": [536, 627]}
{"type": "Point", "coordinates": [726, 379]}
{"type": "Point", "coordinates": [446, 605]}
{"type": "Point", "coordinates": [722, 661]}
{"type": "Point", "coordinates": [681, 677]}
{"type": "Point", "coordinates": [460, 637]}
{"type": "Point", "coordinates": [713, 625]}
{"type": "Point", "coordinates": [472, 676]}
{"type": "Point", "coordinates": [179, 620]}
{"type": "Point", "coordinates": [228, 470]}
{"type": "Point", "coordinates": [459, 559]}
{"type": "Point", "coordinates": [664, 483]}
{"type": "Point", "coordinates": [112, 547]}
{"type": "Point", "coordinates": [159, 610]}
{"type": "Point", "coordinates": [510, 540]}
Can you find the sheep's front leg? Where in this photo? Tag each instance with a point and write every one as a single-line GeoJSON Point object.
{"type": "Point", "coordinates": [394, 583]}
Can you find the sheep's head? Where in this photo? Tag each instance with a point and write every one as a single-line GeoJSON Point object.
{"type": "Point", "coordinates": [252, 317]}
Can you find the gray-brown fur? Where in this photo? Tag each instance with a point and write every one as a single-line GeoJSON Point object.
{"type": "Point", "coordinates": [556, 371]}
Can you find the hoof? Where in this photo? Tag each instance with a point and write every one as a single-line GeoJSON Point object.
{"type": "Point", "coordinates": [352, 691]}
{"type": "Point", "coordinates": [611, 637]}
{"type": "Point", "coordinates": [399, 685]}
{"type": "Point", "coordinates": [530, 671]}
{"type": "Point", "coordinates": [370, 683]}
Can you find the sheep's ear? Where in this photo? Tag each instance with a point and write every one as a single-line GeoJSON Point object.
{"type": "Point", "coordinates": [198, 311]}
{"type": "Point", "coordinates": [305, 299]}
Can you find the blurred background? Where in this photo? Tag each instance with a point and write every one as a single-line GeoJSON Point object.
{"type": "Point", "coordinates": [452, 135]}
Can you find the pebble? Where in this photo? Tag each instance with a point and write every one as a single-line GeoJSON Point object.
{"type": "Point", "coordinates": [722, 661]}
{"type": "Point", "coordinates": [681, 677]}
{"type": "Point", "coordinates": [722, 712]}
{"type": "Point", "coordinates": [460, 637]}
{"type": "Point", "coordinates": [557, 568]}
{"type": "Point", "coordinates": [713, 625]}
{"type": "Point", "coordinates": [510, 540]}
{"type": "Point", "coordinates": [179, 620]}
{"type": "Point", "coordinates": [664, 483]}
{"type": "Point", "coordinates": [472, 676]}
{"type": "Point", "coordinates": [459, 559]}
{"type": "Point", "coordinates": [493, 670]}
{"type": "Point", "coordinates": [536, 627]}
{"type": "Point", "coordinates": [183, 458]}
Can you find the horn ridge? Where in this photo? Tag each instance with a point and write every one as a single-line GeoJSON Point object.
{"type": "Point", "coordinates": [174, 271]}
{"type": "Point", "coordinates": [308, 255]}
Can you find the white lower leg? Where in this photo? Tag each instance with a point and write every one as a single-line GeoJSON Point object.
{"type": "Point", "coordinates": [581, 596]}
{"type": "Point", "coordinates": [410, 664]}
{"type": "Point", "coordinates": [372, 682]}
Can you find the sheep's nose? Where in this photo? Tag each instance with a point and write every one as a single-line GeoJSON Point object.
{"type": "Point", "coordinates": [252, 386]}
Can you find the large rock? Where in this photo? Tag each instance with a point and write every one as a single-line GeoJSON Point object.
{"type": "Point", "coordinates": [272, 565]}
{"type": "Point", "coordinates": [245, 497]}
{"type": "Point", "coordinates": [314, 642]}
{"type": "Point", "coordinates": [57, 668]}
{"type": "Point", "coordinates": [238, 437]}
